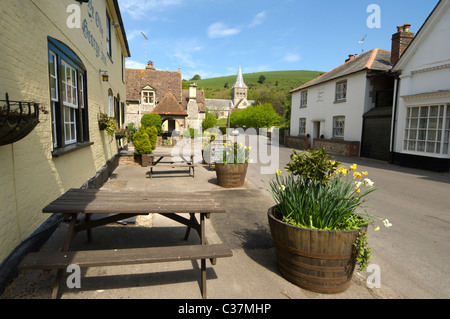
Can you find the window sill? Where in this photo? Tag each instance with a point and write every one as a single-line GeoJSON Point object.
{"type": "Point", "coordinates": [340, 101]}
{"type": "Point", "coordinates": [70, 148]}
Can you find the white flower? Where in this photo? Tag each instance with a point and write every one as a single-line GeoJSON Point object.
{"type": "Point", "coordinates": [387, 223]}
{"type": "Point", "coordinates": [358, 184]}
{"type": "Point", "coordinates": [368, 182]}
{"type": "Point", "coordinates": [282, 187]}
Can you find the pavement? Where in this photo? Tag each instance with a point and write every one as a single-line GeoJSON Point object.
{"type": "Point", "coordinates": [251, 273]}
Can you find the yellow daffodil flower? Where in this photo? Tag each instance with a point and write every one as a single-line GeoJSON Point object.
{"type": "Point", "coordinates": [377, 228]}
{"type": "Point", "coordinates": [279, 172]}
{"type": "Point", "coordinates": [353, 167]}
{"type": "Point", "coordinates": [357, 175]}
{"type": "Point", "coordinates": [365, 173]}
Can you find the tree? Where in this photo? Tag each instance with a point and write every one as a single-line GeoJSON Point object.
{"type": "Point", "coordinates": [196, 78]}
{"type": "Point", "coordinates": [256, 116]}
{"type": "Point", "coordinates": [261, 80]}
{"type": "Point", "coordinates": [209, 121]}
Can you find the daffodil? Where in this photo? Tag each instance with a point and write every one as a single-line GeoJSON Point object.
{"type": "Point", "coordinates": [377, 228]}
{"type": "Point", "coordinates": [387, 224]}
{"type": "Point", "coordinates": [365, 173]}
{"type": "Point", "coordinates": [357, 175]}
{"type": "Point", "coordinates": [357, 190]}
{"type": "Point", "coordinates": [368, 182]}
{"type": "Point", "coordinates": [353, 167]}
{"type": "Point", "coordinates": [279, 172]}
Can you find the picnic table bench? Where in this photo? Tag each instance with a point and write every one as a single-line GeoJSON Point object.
{"type": "Point", "coordinates": [184, 162]}
{"type": "Point", "coordinates": [114, 206]}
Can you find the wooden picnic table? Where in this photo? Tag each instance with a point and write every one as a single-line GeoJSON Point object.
{"type": "Point", "coordinates": [112, 206]}
{"type": "Point", "coordinates": [161, 154]}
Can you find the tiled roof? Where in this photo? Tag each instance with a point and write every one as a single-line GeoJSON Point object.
{"type": "Point", "coordinates": [161, 81]}
{"type": "Point", "coordinates": [375, 59]}
{"type": "Point", "coordinates": [169, 106]}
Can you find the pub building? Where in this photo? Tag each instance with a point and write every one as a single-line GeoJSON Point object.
{"type": "Point", "coordinates": [62, 70]}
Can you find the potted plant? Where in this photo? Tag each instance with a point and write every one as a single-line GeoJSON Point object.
{"type": "Point", "coordinates": [232, 170]}
{"type": "Point", "coordinates": [121, 133]}
{"type": "Point", "coordinates": [319, 226]}
{"type": "Point", "coordinates": [107, 124]}
{"type": "Point", "coordinates": [144, 143]}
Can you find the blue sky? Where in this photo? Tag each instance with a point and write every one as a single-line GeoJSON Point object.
{"type": "Point", "coordinates": [213, 37]}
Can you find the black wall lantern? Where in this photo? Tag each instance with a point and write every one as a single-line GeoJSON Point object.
{"type": "Point", "coordinates": [105, 75]}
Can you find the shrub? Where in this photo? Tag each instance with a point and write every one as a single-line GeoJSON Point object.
{"type": "Point", "coordinates": [152, 133]}
{"type": "Point", "coordinates": [141, 142]}
{"type": "Point", "coordinates": [149, 120]}
{"type": "Point", "coordinates": [312, 165]}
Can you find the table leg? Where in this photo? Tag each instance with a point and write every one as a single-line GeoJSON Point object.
{"type": "Point", "coordinates": [188, 230]}
{"type": "Point", "coordinates": [66, 247]}
{"type": "Point", "coordinates": [87, 219]}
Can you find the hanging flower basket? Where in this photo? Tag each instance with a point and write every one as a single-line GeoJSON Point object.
{"type": "Point", "coordinates": [17, 120]}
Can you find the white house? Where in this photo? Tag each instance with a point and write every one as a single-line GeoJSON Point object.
{"type": "Point", "coordinates": [330, 109]}
{"type": "Point", "coordinates": [421, 122]}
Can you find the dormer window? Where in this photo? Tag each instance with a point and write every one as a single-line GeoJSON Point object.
{"type": "Point", "coordinates": [148, 95]}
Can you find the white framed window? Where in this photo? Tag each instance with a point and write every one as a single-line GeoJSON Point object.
{"type": "Point", "coordinates": [108, 35]}
{"type": "Point", "coordinates": [67, 83]}
{"type": "Point", "coordinates": [427, 129]}
{"type": "Point", "coordinates": [53, 74]}
{"type": "Point", "coordinates": [304, 99]}
{"type": "Point", "coordinates": [302, 126]}
{"type": "Point", "coordinates": [69, 100]}
{"type": "Point", "coordinates": [148, 97]}
{"type": "Point", "coordinates": [341, 91]}
{"type": "Point", "coordinates": [110, 103]}
{"type": "Point", "coordinates": [338, 126]}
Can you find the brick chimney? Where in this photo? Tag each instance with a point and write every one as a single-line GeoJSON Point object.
{"type": "Point", "coordinates": [150, 66]}
{"type": "Point", "coordinates": [192, 91]}
{"type": "Point", "coordinates": [350, 57]}
{"type": "Point", "coordinates": [400, 41]}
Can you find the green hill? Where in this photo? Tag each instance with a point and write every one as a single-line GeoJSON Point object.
{"type": "Point", "coordinates": [278, 81]}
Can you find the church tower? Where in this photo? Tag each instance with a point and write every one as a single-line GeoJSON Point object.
{"type": "Point", "coordinates": [239, 92]}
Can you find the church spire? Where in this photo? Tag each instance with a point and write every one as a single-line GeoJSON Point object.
{"type": "Point", "coordinates": [240, 81]}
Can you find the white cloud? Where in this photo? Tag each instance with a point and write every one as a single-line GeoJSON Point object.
{"type": "Point", "coordinates": [258, 19]}
{"type": "Point", "coordinates": [184, 50]}
{"type": "Point", "coordinates": [140, 8]}
{"type": "Point", "coordinates": [220, 30]}
{"type": "Point", "coordinates": [291, 57]}
{"type": "Point", "coordinates": [130, 64]}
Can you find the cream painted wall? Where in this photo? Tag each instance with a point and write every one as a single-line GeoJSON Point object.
{"type": "Point", "coordinates": [30, 177]}
{"type": "Point", "coordinates": [322, 107]}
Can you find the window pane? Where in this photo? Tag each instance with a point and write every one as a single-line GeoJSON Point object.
{"type": "Point", "coordinates": [420, 146]}
{"type": "Point", "coordinates": [424, 111]}
{"type": "Point", "coordinates": [422, 135]}
{"type": "Point", "coordinates": [434, 111]}
{"type": "Point", "coordinates": [414, 112]}
{"type": "Point", "coordinates": [431, 147]}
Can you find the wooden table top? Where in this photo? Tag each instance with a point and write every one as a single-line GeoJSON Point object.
{"type": "Point", "coordinates": [94, 201]}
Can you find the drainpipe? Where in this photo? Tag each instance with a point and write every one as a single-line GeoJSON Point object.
{"type": "Point", "coordinates": [394, 118]}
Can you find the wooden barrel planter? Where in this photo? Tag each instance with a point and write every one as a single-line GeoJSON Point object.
{"type": "Point", "coordinates": [316, 260]}
{"type": "Point", "coordinates": [231, 175]}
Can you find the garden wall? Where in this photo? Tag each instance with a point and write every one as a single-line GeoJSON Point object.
{"type": "Point", "coordinates": [338, 147]}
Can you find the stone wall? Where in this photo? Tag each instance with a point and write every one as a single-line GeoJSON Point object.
{"type": "Point", "coordinates": [338, 147]}
{"type": "Point", "coordinates": [296, 142]}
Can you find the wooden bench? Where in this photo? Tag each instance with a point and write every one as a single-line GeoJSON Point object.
{"type": "Point", "coordinates": [187, 163]}
{"type": "Point", "coordinates": [173, 165]}
{"type": "Point", "coordinates": [116, 257]}
{"type": "Point", "coordinates": [118, 205]}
